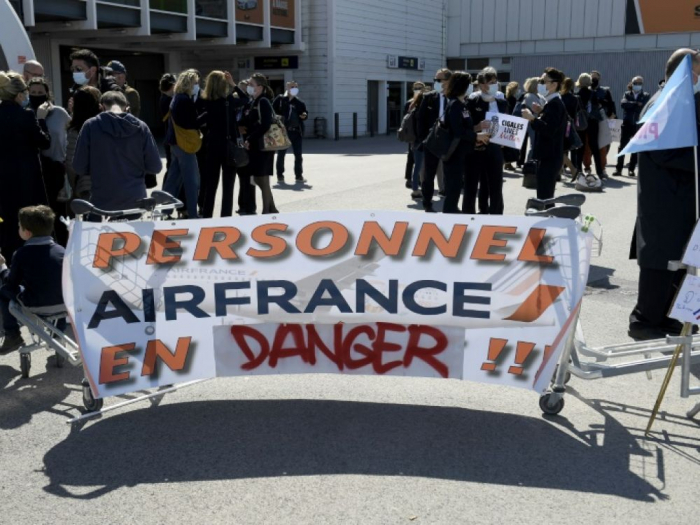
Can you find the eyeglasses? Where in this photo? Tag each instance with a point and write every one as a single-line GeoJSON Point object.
{"type": "Point", "coordinates": [546, 81]}
{"type": "Point", "coordinates": [438, 79]}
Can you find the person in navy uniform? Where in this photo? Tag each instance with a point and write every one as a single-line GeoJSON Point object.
{"type": "Point", "coordinates": [632, 104]}
{"type": "Point", "coordinates": [484, 168]}
{"type": "Point", "coordinates": [293, 110]}
{"type": "Point", "coordinates": [550, 130]}
{"type": "Point", "coordinates": [459, 123]}
{"type": "Point", "coordinates": [432, 108]}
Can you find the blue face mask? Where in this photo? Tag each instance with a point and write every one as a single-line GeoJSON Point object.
{"type": "Point", "coordinates": [25, 102]}
{"type": "Point", "coordinates": [636, 88]}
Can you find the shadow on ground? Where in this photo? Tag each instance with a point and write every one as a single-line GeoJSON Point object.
{"type": "Point", "coordinates": [219, 440]}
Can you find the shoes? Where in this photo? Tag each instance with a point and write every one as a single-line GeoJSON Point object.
{"type": "Point", "coordinates": [631, 173]}
{"type": "Point", "coordinates": [300, 180]}
{"type": "Point", "coordinates": [509, 166]}
{"type": "Point", "coordinates": [12, 342]}
{"type": "Point", "coordinates": [416, 194]}
{"type": "Point", "coordinates": [408, 184]}
{"type": "Point", "coordinates": [280, 179]}
{"type": "Point", "coordinates": [603, 175]}
{"type": "Point", "coordinates": [429, 209]}
{"type": "Point", "coordinates": [587, 170]}
{"type": "Point", "coordinates": [442, 193]}
{"type": "Point", "coordinates": [617, 173]}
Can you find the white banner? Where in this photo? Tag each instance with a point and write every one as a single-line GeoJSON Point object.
{"type": "Point", "coordinates": [491, 298]}
{"type": "Point", "coordinates": [615, 126]}
{"type": "Point", "coordinates": [507, 130]}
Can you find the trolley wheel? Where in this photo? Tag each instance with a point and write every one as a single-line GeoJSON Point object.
{"type": "Point", "coordinates": [25, 363]}
{"type": "Point", "coordinates": [60, 360]}
{"type": "Point", "coordinates": [551, 410]}
{"type": "Point", "coordinates": [567, 376]}
{"type": "Point", "coordinates": [89, 402]}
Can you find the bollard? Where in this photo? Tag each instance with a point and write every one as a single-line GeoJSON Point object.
{"type": "Point", "coordinates": [354, 126]}
{"type": "Point", "coordinates": [337, 126]}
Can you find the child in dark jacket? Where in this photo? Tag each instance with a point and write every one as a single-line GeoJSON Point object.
{"type": "Point", "coordinates": [35, 275]}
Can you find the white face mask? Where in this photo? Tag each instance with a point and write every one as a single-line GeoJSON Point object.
{"type": "Point", "coordinates": [542, 90]}
{"type": "Point", "coordinates": [195, 90]}
{"type": "Point", "coordinates": [636, 88]}
{"type": "Point", "coordinates": [470, 90]}
{"type": "Point", "coordinates": [493, 89]}
{"type": "Point", "coordinates": [80, 78]}
{"type": "Point", "coordinates": [294, 92]}
{"type": "Point", "coordinates": [250, 90]}
{"type": "Point", "coordinates": [438, 87]}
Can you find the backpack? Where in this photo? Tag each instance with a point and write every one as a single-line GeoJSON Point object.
{"type": "Point", "coordinates": [407, 131]}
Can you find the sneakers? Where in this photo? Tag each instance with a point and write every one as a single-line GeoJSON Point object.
{"type": "Point", "coordinates": [617, 173]}
{"type": "Point", "coordinates": [12, 342]}
{"type": "Point", "coordinates": [300, 180]}
{"type": "Point", "coordinates": [280, 179]}
{"type": "Point", "coordinates": [631, 173]}
{"type": "Point", "coordinates": [603, 175]}
{"type": "Point", "coordinates": [416, 194]}
{"type": "Point", "coordinates": [429, 209]}
{"type": "Point", "coordinates": [408, 184]}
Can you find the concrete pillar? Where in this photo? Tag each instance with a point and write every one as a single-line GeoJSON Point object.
{"type": "Point", "coordinates": [382, 108]}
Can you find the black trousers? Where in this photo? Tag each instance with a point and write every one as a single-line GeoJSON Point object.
{"type": "Point", "coordinates": [296, 138]}
{"type": "Point", "coordinates": [453, 174]}
{"type": "Point", "coordinates": [215, 165]}
{"type": "Point", "coordinates": [547, 171]}
{"type": "Point", "coordinates": [484, 168]}
{"type": "Point", "coordinates": [657, 289]}
{"type": "Point", "coordinates": [590, 135]}
{"type": "Point", "coordinates": [54, 173]}
{"type": "Point", "coordinates": [523, 150]}
{"type": "Point", "coordinates": [246, 194]}
{"type": "Point", "coordinates": [628, 131]}
{"type": "Point", "coordinates": [431, 163]}
{"type": "Point", "coordinates": [410, 161]}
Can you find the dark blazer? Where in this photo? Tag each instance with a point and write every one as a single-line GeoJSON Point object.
{"type": "Point", "coordinates": [257, 119]}
{"type": "Point", "coordinates": [571, 103]}
{"type": "Point", "coordinates": [606, 100]}
{"type": "Point", "coordinates": [428, 113]}
{"type": "Point", "coordinates": [632, 108]}
{"type": "Point", "coordinates": [459, 122]}
{"type": "Point", "coordinates": [214, 119]}
{"type": "Point", "coordinates": [665, 203]}
{"type": "Point", "coordinates": [478, 108]}
{"type": "Point", "coordinates": [550, 128]}
{"type": "Point", "coordinates": [282, 104]}
{"type": "Point", "coordinates": [585, 95]}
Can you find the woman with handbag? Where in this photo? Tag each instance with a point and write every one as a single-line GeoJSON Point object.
{"type": "Point", "coordinates": [550, 129]}
{"type": "Point", "coordinates": [589, 136]}
{"type": "Point", "coordinates": [221, 141]}
{"type": "Point", "coordinates": [185, 140]}
{"type": "Point", "coordinates": [256, 121]}
{"type": "Point", "coordinates": [460, 126]}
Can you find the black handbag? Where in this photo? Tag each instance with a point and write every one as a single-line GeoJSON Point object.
{"type": "Point", "coordinates": [236, 154]}
{"type": "Point", "coordinates": [530, 175]}
{"type": "Point", "coordinates": [440, 141]}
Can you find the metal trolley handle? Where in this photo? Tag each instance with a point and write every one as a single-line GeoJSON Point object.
{"type": "Point", "coordinates": [158, 202]}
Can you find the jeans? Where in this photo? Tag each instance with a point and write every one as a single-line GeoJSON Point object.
{"type": "Point", "coordinates": [417, 166]}
{"type": "Point", "coordinates": [296, 139]}
{"type": "Point", "coordinates": [184, 171]}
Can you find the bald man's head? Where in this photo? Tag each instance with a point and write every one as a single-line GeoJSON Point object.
{"type": "Point", "coordinates": [32, 69]}
{"type": "Point", "coordinates": [676, 59]}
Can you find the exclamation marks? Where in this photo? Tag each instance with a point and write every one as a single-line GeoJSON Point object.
{"type": "Point", "coordinates": [496, 346]}
{"type": "Point", "coordinates": [522, 352]}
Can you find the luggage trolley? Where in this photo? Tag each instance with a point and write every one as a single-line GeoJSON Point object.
{"type": "Point", "coordinates": [570, 363]}
{"type": "Point", "coordinates": [157, 207]}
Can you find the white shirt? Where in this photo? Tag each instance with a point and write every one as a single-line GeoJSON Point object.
{"type": "Point", "coordinates": [442, 107]}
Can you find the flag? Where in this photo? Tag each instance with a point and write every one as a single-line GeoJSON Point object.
{"type": "Point", "coordinates": [670, 123]}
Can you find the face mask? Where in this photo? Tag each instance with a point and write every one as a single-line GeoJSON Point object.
{"type": "Point", "coordinates": [594, 82]}
{"type": "Point", "coordinates": [438, 87]}
{"type": "Point", "coordinates": [25, 102]}
{"type": "Point", "coordinates": [250, 90]}
{"type": "Point", "coordinates": [416, 91]}
{"type": "Point", "coordinates": [470, 90]}
{"type": "Point", "coordinates": [80, 78]}
{"type": "Point", "coordinates": [636, 88]}
{"type": "Point", "coordinates": [37, 101]}
{"type": "Point", "coordinates": [493, 89]}
{"type": "Point", "coordinates": [195, 90]}
{"type": "Point", "coordinates": [517, 93]}
{"type": "Point", "coordinates": [294, 92]}
{"type": "Point", "coordinates": [542, 90]}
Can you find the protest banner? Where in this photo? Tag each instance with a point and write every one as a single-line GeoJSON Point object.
{"type": "Point", "coordinates": [615, 127]}
{"type": "Point", "coordinates": [481, 298]}
{"type": "Point", "coordinates": [507, 130]}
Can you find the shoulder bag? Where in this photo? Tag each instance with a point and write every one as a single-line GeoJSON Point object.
{"type": "Point", "coordinates": [275, 138]}
{"type": "Point", "coordinates": [236, 154]}
{"type": "Point", "coordinates": [439, 141]}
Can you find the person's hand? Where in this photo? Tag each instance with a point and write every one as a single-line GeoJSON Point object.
{"type": "Point", "coordinates": [246, 145]}
{"type": "Point", "coordinates": [2, 260]}
{"type": "Point", "coordinates": [481, 126]}
{"type": "Point", "coordinates": [483, 138]}
{"type": "Point", "coordinates": [527, 114]}
{"type": "Point", "coordinates": [229, 79]}
{"type": "Point", "coordinates": [536, 108]}
{"type": "Point", "coordinates": [304, 116]}
{"type": "Point", "coordinates": [613, 116]}
{"type": "Point", "coordinates": [69, 106]}
{"type": "Point", "coordinates": [43, 110]}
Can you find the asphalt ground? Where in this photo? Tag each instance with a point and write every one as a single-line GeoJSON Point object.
{"type": "Point", "coordinates": [334, 449]}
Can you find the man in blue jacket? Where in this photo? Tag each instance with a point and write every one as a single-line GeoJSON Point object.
{"type": "Point", "coordinates": [116, 150]}
{"type": "Point", "coordinates": [632, 103]}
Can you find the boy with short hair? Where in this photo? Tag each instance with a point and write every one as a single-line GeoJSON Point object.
{"type": "Point", "coordinates": [35, 275]}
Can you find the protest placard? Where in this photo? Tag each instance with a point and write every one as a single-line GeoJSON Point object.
{"type": "Point", "coordinates": [615, 126]}
{"type": "Point", "coordinates": [507, 130]}
{"type": "Point", "coordinates": [480, 298]}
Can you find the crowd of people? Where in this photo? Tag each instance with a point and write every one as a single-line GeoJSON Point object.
{"type": "Point", "coordinates": [562, 138]}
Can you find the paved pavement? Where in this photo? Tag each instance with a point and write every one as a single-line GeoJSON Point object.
{"type": "Point", "coordinates": [331, 449]}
